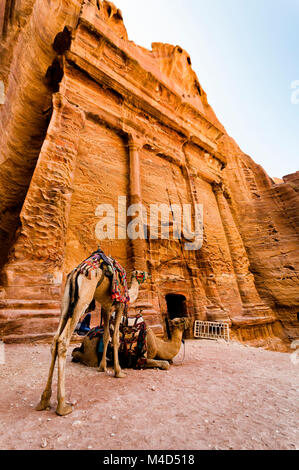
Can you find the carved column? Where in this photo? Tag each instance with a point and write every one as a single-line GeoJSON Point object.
{"type": "Point", "coordinates": [214, 308]}
{"type": "Point", "coordinates": [249, 295]}
{"type": "Point", "coordinates": [38, 253]}
{"type": "Point", "coordinates": [138, 246]}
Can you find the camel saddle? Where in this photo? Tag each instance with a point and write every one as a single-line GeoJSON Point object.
{"type": "Point", "coordinates": [132, 338]}
{"type": "Point", "coordinates": [112, 269]}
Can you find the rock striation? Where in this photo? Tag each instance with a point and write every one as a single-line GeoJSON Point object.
{"type": "Point", "coordinates": [91, 118]}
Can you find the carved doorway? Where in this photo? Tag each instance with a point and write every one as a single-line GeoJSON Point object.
{"type": "Point", "coordinates": [176, 308]}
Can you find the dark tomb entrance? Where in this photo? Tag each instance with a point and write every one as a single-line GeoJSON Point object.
{"type": "Point", "coordinates": [176, 308]}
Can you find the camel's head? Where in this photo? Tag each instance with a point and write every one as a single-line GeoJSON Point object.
{"type": "Point", "coordinates": [180, 323]}
{"type": "Point", "coordinates": [140, 276]}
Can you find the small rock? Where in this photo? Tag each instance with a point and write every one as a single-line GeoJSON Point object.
{"type": "Point", "coordinates": [77, 423]}
{"type": "Point", "coordinates": [89, 447]}
{"type": "Point", "coordinates": [112, 434]}
{"type": "Point", "coordinates": [49, 419]}
{"type": "Point", "coordinates": [153, 388]}
{"type": "Point", "coordinates": [113, 417]}
{"type": "Point", "coordinates": [44, 443]}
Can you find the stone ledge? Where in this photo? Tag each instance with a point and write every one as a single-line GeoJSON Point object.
{"type": "Point", "coordinates": [29, 338]}
{"type": "Point", "coordinates": [18, 304]}
{"type": "Point", "coordinates": [22, 314]}
{"type": "Point", "coordinates": [239, 322]}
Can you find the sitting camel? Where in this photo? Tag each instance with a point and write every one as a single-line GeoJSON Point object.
{"type": "Point", "coordinates": [80, 291]}
{"type": "Point", "coordinates": [159, 351]}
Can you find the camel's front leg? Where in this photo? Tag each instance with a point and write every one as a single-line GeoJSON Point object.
{"type": "Point", "coordinates": [117, 369]}
{"type": "Point", "coordinates": [156, 364]}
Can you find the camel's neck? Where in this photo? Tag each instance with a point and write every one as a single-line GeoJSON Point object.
{"type": "Point", "coordinates": [176, 337]}
{"type": "Point", "coordinates": [171, 347]}
{"type": "Point", "coordinates": [133, 291]}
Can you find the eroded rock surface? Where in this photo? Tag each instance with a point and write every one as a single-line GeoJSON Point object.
{"type": "Point", "coordinates": [90, 116]}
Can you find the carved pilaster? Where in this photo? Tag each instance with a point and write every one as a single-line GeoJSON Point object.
{"type": "Point", "coordinates": [135, 183]}
{"type": "Point", "coordinates": [249, 295]}
{"type": "Point", "coordinates": [138, 246]}
{"type": "Point", "coordinates": [38, 252]}
{"type": "Point", "coordinates": [214, 308]}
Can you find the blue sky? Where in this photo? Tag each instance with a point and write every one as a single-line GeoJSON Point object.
{"type": "Point", "coordinates": [246, 56]}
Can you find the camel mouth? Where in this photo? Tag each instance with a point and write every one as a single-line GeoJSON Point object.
{"type": "Point", "coordinates": [140, 276]}
{"type": "Point", "coordinates": [183, 322]}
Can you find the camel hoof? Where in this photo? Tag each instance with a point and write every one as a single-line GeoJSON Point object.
{"type": "Point", "coordinates": [120, 375]}
{"type": "Point", "coordinates": [63, 410]}
{"type": "Point", "coordinates": [42, 406]}
{"type": "Point", "coordinates": [102, 369]}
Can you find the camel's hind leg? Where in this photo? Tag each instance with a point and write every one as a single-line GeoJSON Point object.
{"type": "Point", "coordinates": [106, 337]}
{"type": "Point", "coordinates": [86, 292]}
{"type": "Point", "coordinates": [117, 369]}
{"type": "Point", "coordinates": [46, 395]}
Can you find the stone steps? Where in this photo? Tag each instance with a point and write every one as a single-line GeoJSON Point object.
{"type": "Point", "coordinates": [24, 304]}
{"type": "Point", "coordinates": [29, 320]}
{"type": "Point", "coordinates": [38, 337]}
{"type": "Point", "coordinates": [28, 338]}
{"type": "Point", "coordinates": [31, 292]}
{"type": "Point", "coordinates": [10, 314]}
{"type": "Point", "coordinates": [25, 320]}
{"type": "Point", "coordinates": [29, 326]}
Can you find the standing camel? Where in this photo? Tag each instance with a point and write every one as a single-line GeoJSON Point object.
{"type": "Point", "coordinates": [159, 351]}
{"type": "Point", "coordinates": [80, 290]}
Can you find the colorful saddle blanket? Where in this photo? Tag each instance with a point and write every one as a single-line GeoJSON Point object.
{"type": "Point", "coordinates": [132, 337]}
{"type": "Point", "coordinates": [119, 286]}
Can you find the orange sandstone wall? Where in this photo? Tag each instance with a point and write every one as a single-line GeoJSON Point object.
{"type": "Point", "coordinates": [90, 116]}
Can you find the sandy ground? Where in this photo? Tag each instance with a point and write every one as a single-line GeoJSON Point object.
{"type": "Point", "coordinates": [221, 397]}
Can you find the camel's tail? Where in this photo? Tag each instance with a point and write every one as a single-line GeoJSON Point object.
{"type": "Point", "coordinates": [73, 297]}
{"type": "Point", "coordinates": [74, 293]}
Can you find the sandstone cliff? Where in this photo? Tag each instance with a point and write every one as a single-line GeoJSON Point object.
{"type": "Point", "coordinates": [90, 116]}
